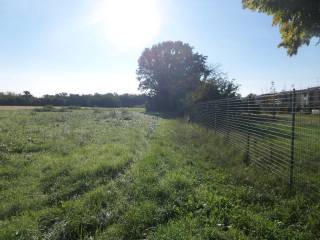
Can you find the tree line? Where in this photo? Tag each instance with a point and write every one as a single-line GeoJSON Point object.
{"type": "Point", "coordinates": [172, 76]}
{"type": "Point", "coordinates": [64, 99]}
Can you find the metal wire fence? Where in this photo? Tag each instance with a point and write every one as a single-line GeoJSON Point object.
{"type": "Point", "coordinates": [278, 132]}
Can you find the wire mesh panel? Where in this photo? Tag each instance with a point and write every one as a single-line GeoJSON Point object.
{"type": "Point", "coordinates": [279, 132]}
{"type": "Point", "coordinates": [307, 144]}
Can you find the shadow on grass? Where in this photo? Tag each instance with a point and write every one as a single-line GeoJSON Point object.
{"type": "Point", "coordinates": [164, 115]}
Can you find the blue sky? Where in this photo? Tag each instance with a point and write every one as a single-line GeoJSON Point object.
{"type": "Point", "coordinates": [87, 46]}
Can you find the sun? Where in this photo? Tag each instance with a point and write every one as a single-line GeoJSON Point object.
{"type": "Point", "coordinates": [128, 23]}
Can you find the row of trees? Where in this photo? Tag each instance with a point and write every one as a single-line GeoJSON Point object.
{"type": "Point", "coordinates": [64, 99]}
{"type": "Point", "coordinates": [174, 76]}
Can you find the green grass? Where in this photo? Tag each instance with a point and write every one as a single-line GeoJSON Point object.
{"type": "Point", "coordinates": [269, 141]}
{"type": "Point", "coordinates": [277, 136]}
{"type": "Point", "coordinates": [120, 174]}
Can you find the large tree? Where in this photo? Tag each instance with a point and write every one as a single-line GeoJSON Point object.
{"type": "Point", "coordinates": [169, 72]}
{"type": "Point", "coordinates": [298, 20]}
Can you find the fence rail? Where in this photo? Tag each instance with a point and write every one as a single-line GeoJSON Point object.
{"type": "Point", "coordinates": [277, 132]}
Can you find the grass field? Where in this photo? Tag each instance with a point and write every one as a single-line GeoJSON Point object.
{"type": "Point", "coordinates": [122, 174]}
{"type": "Point", "coordinates": [270, 142]}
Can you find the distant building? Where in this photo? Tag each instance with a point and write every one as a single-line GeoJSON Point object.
{"type": "Point", "coordinates": [307, 100]}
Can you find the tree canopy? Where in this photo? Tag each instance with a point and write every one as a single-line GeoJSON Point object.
{"type": "Point", "coordinates": [298, 20]}
{"type": "Point", "coordinates": [173, 76]}
{"type": "Point", "coordinates": [168, 72]}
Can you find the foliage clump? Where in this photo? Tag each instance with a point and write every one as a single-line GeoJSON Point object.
{"type": "Point", "coordinates": [173, 76]}
{"type": "Point", "coordinates": [299, 21]}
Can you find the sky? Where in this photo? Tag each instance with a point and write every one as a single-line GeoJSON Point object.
{"type": "Point", "coordinates": [89, 46]}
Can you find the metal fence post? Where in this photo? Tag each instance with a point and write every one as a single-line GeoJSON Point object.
{"type": "Point", "coordinates": [247, 157]}
{"type": "Point", "coordinates": [215, 117]}
{"type": "Point", "coordinates": [228, 121]}
{"type": "Point", "coordinates": [293, 125]}
{"type": "Point", "coordinates": [274, 119]}
{"type": "Point", "coordinates": [208, 116]}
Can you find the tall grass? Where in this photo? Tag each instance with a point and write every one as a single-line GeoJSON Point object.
{"type": "Point", "coordinates": [106, 174]}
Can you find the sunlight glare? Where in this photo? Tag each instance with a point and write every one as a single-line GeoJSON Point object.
{"type": "Point", "coordinates": [128, 23]}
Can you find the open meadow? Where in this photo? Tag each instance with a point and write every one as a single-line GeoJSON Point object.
{"type": "Point", "coordinates": [100, 173]}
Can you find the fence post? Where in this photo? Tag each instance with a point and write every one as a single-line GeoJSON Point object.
{"type": "Point", "coordinates": [293, 125]}
{"type": "Point", "coordinates": [215, 117]}
{"type": "Point", "coordinates": [247, 157]}
{"type": "Point", "coordinates": [208, 116]}
{"type": "Point", "coordinates": [274, 119]}
{"type": "Point", "coordinates": [228, 121]}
